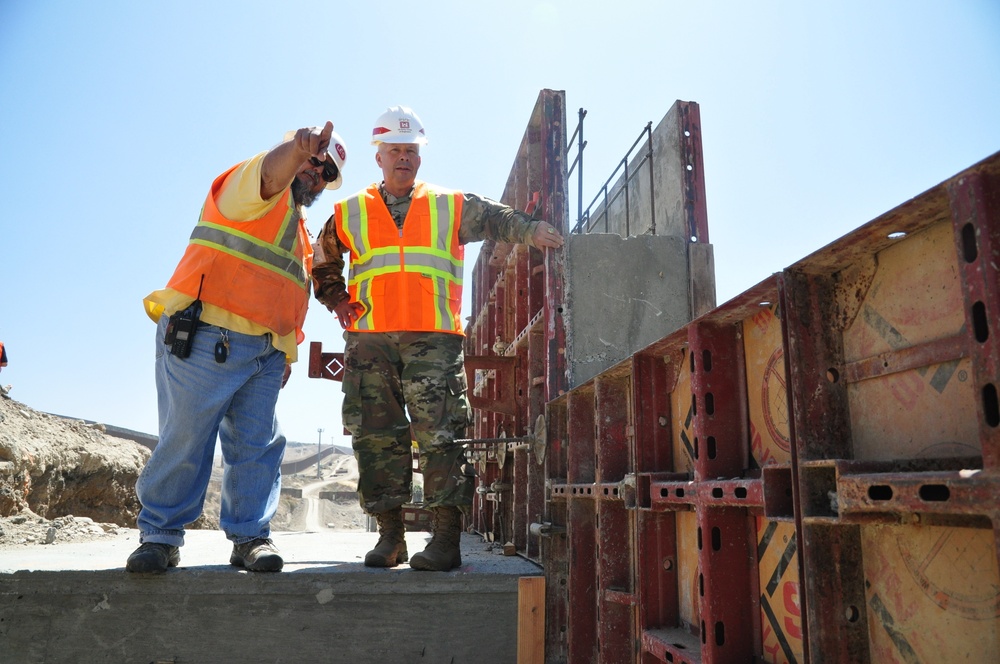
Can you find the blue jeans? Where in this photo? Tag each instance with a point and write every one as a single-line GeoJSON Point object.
{"type": "Point", "coordinates": [200, 399]}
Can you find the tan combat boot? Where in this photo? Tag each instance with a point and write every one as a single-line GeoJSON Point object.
{"type": "Point", "coordinates": [391, 547]}
{"type": "Point", "coordinates": [444, 551]}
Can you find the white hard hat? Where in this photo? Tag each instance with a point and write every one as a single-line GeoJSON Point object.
{"type": "Point", "coordinates": [398, 124]}
{"type": "Point", "coordinates": [336, 152]}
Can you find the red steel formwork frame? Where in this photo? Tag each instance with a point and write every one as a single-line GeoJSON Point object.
{"type": "Point", "coordinates": [753, 487]}
{"type": "Point", "coordinates": [894, 362]}
{"type": "Point", "coordinates": [718, 507]}
{"type": "Point", "coordinates": [515, 342]}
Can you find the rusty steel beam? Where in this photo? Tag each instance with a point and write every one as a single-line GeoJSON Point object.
{"type": "Point", "coordinates": [686, 494]}
{"type": "Point", "coordinates": [325, 365]}
{"type": "Point", "coordinates": [672, 646]}
{"type": "Point", "coordinates": [975, 210]}
{"type": "Point", "coordinates": [904, 359]}
{"type": "Point", "coordinates": [695, 207]}
{"type": "Point", "coordinates": [962, 492]}
{"type": "Point", "coordinates": [599, 491]}
{"type": "Point", "coordinates": [504, 399]}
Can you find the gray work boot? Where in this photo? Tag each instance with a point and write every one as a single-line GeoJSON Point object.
{"type": "Point", "coordinates": [257, 555]}
{"type": "Point", "coordinates": [391, 547]}
{"type": "Point", "coordinates": [153, 558]}
{"type": "Point", "coordinates": [444, 551]}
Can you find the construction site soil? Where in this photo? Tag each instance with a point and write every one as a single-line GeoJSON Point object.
{"type": "Point", "coordinates": [66, 481]}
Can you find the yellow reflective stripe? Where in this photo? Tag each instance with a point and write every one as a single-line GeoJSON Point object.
{"type": "Point", "coordinates": [432, 204]}
{"type": "Point", "coordinates": [430, 274]}
{"type": "Point", "coordinates": [437, 274]}
{"type": "Point", "coordinates": [371, 274]}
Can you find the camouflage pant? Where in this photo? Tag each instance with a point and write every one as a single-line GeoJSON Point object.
{"type": "Point", "coordinates": [387, 376]}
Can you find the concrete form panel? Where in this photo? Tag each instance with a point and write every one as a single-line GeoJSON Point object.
{"type": "Point", "coordinates": [770, 437]}
{"type": "Point", "coordinates": [926, 411]}
{"type": "Point", "coordinates": [932, 593]}
{"type": "Point", "coordinates": [688, 572]}
{"type": "Point", "coordinates": [682, 405]}
{"type": "Point", "coordinates": [778, 580]}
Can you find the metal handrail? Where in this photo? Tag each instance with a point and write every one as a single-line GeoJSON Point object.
{"type": "Point", "coordinates": [578, 161]}
{"type": "Point", "coordinates": [583, 217]}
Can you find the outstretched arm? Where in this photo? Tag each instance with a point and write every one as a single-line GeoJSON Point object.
{"type": "Point", "coordinates": [483, 218]}
{"type": "Point", "coordinates": [284, 160]}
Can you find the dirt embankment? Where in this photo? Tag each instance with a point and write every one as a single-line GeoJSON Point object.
{"type": "Point", "coordinates": [66, 480]}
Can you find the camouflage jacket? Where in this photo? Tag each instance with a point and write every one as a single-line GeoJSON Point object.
{"type": "Point", "coordinates": [482, 219]}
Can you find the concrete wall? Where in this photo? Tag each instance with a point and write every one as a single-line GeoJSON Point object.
{"type": "Point", "coordinates": [634, 275]}
{"type": "Point", "coordinates": [622, 294]}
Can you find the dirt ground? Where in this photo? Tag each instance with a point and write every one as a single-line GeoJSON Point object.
{"type": "Point", "coordinates": [65, 480]}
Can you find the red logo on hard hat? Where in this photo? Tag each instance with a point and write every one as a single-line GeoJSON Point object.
{"type": "Point", "coordinates": [404, 124]}
{"type": "Point", "coordinates": [340, 151]}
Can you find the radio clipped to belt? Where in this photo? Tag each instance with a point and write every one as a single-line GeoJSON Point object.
{"type": "Point", "coordinates": [182, 326]}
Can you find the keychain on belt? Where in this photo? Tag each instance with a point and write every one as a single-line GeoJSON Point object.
{"type": "Point", "coordinates": [222, 347]}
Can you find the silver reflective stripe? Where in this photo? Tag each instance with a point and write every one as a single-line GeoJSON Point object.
{"type": "Point", "coordinates": [418, 260]}
{"type": "Point", "coordinates": [442, 314]}
{"type": "Point", "coordinates": [278, 258]}
{"type": "Point", "coordinates": [289, 228]}
{"type": "Point", "coordinates": [443, 204]}
{"type": "Point", "coordinates": [377, 262]}
{"type": "Point", "coordinates": [365, 297]}
{"type": "Point", "coordinates": [356, 224]}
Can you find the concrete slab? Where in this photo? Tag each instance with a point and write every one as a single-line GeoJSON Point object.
{"type": "Point", "coordinates": [75, 603]}
{"type": "Point", "coordinates": [330, 551]}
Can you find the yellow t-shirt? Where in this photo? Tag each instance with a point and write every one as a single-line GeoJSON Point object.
{"type": "Point", "coordinates": [238, 200]}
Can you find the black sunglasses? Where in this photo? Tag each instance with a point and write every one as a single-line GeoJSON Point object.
{"type": "Point", "coordinates": [330, 171]}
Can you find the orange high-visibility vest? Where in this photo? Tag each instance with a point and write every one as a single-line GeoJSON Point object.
{"type": "Point", "coordinates": [411, 279]}
{"type": "Point", "coordinates": [256, 269]}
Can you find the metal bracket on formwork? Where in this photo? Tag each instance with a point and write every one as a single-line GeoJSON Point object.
{"type": "Point", "coordinates": [627, 489]}
{"type": "Point", "coordinates": [540, 440]}
{"type": "Point", "coordinates": [546, 529]}
{"type": "Point", "coordinates": [534, 442]}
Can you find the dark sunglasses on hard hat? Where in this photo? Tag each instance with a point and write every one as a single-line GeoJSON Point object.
{"type": "Point", "coordinates": [330, 171]}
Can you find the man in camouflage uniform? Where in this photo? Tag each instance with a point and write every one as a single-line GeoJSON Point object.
{"type": "Point", "coordinates": [402, 312]}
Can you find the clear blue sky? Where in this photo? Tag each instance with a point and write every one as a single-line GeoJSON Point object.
{"type": "Point", "coordinates": [116, 115]}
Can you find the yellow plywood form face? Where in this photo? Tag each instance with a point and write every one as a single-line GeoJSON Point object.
{"type": "Point", "coordinates": [687, 568]}
{"type": "Point", "coordinates": [683, 421]}
{"type": "Point", "coordinates": [933, 594]}
{"type": "Point", "coordinates": [780, 608]}
{"type": "Point", "coordinates": [770, 440]}
{"type": "Point", "coordinates": [914, 298]}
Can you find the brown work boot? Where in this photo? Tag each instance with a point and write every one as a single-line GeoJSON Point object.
{"type": "Point", "coordinates": [153, 558]}
{"type": "Point", "coordinates": [257, 555]}
{"type": "Point", "coordinates": [444, 551]}
{"type": "Point", "coordinates": [391, 547]}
